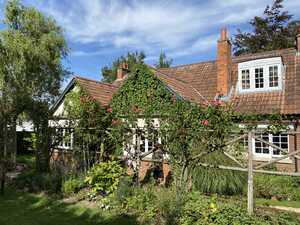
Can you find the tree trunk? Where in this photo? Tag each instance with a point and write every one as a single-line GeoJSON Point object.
{"type": "Point", "coordinates": [183, 176]}
{"type": "Point", "coordinates": [2, 177]}
{"type": "Point", "coordinates": [43, 147]}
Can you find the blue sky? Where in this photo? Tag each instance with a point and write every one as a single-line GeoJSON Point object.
{"type": "Point", "coordinates": [99, 31]}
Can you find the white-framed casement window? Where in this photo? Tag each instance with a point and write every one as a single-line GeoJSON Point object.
{"type": "Point", "coordinates": [245, 79]}
{"type": "Point", "coordinates": [144, 140]}
{"type": "Point", "coordinates": [262, 150]}
{"type": "Point", "coordinates": [260, 75]}
{"type": "Point", "coordinates": [65, 136]}
{"type": "Point", "coordinates": [273, 76]}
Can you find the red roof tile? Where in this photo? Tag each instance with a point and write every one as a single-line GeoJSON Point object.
{"type": "Point", "coordinates": [102, 92]}
{"type": "Point", "coordinates": [203, 77]}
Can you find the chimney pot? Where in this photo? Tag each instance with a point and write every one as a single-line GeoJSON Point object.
{"type": "Point", "coordinates": [223, 34]}
{"type": "Point", "coordinates": [122, 70]}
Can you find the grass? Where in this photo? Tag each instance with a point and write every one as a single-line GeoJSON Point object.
{"type": "Point", "coordinates": [37, 209]}
{"type": "Point", "coordinates": [266, 202]}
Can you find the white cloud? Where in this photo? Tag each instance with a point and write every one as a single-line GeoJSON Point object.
{"type": "Point", "coordinates": [179, 27]}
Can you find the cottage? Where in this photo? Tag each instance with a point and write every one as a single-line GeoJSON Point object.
{"type": "Point", "coordinates": [261, 83]}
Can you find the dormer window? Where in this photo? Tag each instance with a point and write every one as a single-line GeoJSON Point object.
{"type": "Point", "coordinates": [260, 75]}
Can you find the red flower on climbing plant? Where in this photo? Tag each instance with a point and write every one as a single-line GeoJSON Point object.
{"type": "Point", "coordinates": [217, 102]}
{"type": "Point", "coordinates": [109, 110]}
{"type": "Point", "coordinates": [205, 122]}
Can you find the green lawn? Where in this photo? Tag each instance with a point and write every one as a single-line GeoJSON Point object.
{"type": "Point", "coordinates": [34, 209]}
{"type": "Point", "coordinates": [262, 201]}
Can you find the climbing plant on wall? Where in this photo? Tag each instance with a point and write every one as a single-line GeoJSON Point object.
{"type": "Point", "coordinates": [90, 122]}
{"type": "Point", "coordinates": [188, 131]}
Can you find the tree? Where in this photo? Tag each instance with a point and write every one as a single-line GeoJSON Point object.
{"type": "Point", "coordinates": [31, 49]}
{"type": "Point", "coordinates": [274, 30]}
{"type": "Point", "coordinates": [163, 62]}
{"type": "Point", "coordinates": [132, 58]}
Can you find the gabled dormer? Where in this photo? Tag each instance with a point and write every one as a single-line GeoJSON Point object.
{"type": "Point", "coordinates": [260, 75]}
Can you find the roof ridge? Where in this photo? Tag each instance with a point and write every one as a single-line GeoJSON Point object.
{"type": "Point", "coordinates": [233, 57]}
{"type": "Point", "coordinates": [98, 82]}
{"type": "Point", "coordinates": [263, 52]}
{"type": "Point", "coordinates": [192, 64]}
{"type": "Point", "coordinates": [172, 77]}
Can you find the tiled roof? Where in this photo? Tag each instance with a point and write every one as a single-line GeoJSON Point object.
{"type": "Point", "coordinates": [203, 77]}
{"type": "Point", "coordinates": [198, 83]}
{"type": "Point", "coordinates": [182, 88]}
{"type": "Point", "coordinates": [102, 92]}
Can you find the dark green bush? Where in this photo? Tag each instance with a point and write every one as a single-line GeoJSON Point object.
{"type": "Point", "coordinates": [36, 182]}
{"type": "Point", "coordinates": [214, 180]}
{"type": "Point", "coordinates": [72, 185]}
{"type": "Point", "coordinates": [280, 187]}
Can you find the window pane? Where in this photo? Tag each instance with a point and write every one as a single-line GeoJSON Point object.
{"type": "Point", "coordinates": [244, 142]}
{"type": "Point", "coordinates": [260, 147]}
{"type": "Point", "coordinates": [152, 139]}
{"type": "Point", "coordinates": [140, 140]}
{"type": "Point", "coordinates": [273, 76]}
{"type": "Point", "coordinates": [245, 79]}
{"type": "Point", "coordinates": [259, 78]}
{"type": "Point", "coordinates": [280, 140]}
{"type": "Point", "coordinates": [67, 138]}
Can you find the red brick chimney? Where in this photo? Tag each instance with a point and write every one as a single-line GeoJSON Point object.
{"type": "Point", "coordinates": [223, 63]}
{"type": "Point", "coordinates": [122, 71]}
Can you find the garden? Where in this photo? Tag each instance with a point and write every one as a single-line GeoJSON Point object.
{"type": "Point", "coordinates": [192, 174]}
{"type": "Point", "coordinates": [110, 190]}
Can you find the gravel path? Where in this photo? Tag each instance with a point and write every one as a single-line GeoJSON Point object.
{"type": "Point", "coordinates": [290, 209]}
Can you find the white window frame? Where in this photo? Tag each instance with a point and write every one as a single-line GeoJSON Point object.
{"type": "Point", "coordinates": [265, 64]}
{"type": "Point", "coordinates": [62, 143]}
{"type": "Point", "coordinates": [269, 155]}
{"type": "Point", "coordinates": [141, 123]}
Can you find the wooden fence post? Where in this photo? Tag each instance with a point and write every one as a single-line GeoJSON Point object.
{"type": "Point", "coordinates": [250, 174]}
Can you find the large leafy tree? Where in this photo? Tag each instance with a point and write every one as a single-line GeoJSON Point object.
{"type": "Point", "coordinates": [109, 73]}
{"type": "Point", "coordinates": [163, 61]}
{"type": "Point", "coordinates": [274, 30]}
{"type": "Point", "coordinates": [32, 47]}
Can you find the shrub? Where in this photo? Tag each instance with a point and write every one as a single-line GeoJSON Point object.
{"type": "Point", "coordinates": [125, 189]}
{"type": "Point", "coordinates": [281, 187]}
{"type": "Point", "coordinates": [214, 180]}
{"type": "Point", "coordinates": [36, 182]}
{"type": "Point", "coordinates": [104, 177]}
{"type": "Point", "coordinates": [72, 185]}
{"type": "Point", "coordinates": [205, 211]}
{"type": "Point", "coordinates": [169, 205]}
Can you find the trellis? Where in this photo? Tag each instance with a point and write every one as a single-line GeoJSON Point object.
{"type": "Point", "coordinates": [251, 169]}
